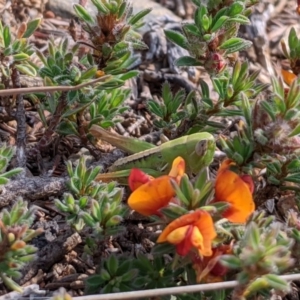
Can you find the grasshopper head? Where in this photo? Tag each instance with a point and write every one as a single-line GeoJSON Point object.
{"type": "Point", "coordinates": [201, 147]}
{"type": "Point", "coordinates": [202, 155]}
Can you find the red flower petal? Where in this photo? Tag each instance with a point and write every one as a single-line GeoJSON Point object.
{"type": "Point", "coordinates": [137, 178]}
{"type": "Point", "coordinates": [249, 181]}
{"type": "Point", "coordinates": [185, 246]}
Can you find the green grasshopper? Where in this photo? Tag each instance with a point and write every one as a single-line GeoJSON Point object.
{"type": "Point", "coordinates": [196, 149]}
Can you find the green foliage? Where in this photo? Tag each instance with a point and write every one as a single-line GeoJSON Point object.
{"type": "Point", "coordinates": [192, 196]}
{"type": "Point", "coordinates": [14, 235]}
{"type": "Point", "coordinates": [6, 154]}
{"type": "Point", "coordinates": [169, 111]}
{"type": "Point", "coordinates": [235, 89]}
{"type": "Point", "coordinates": [120, 274]}
{"type": "Point", "coordinates": [108, 107]}
{"type": "Point", "coordinates": [92, 204]}
{"type": "Point", "coordinates": [113, 275]}
{"type": "Point", "coordinates": [82, 179]}
{"type": "Point", "coordinates": [239, 148]}
{"type": "Point", "coordinates": [112, 34]}
{"type": "Point", "coordinates": [179, 114]}
{"type": "Point", "coordinates": [60, 69]}
{"type": "Point", "coordinates": [212, 37]}
{"type": "Point", "coordinates": [270, 133]}
{"type": "Point", "coordinates": [106, 212]}
{"type": "Point", "coordinates": [155, 273]}
{"type": "Point", "coordinates": [263, 251]}
{"type": "Point", "coordinates": [16, 51]}
{"type": "Point", "coordinates": [265, 142]}
{"type": "Point", "coordinates": [112, 37]}
{"type": "Point", "coordinates": [292, 51]}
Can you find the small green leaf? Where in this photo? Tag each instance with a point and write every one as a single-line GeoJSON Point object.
{"type": "Point", "coordinates": [187, 61]}
{"type": "Point", "coordinates": [231, 262]}
{"type": "Point", "coordinates": [235, 44]}
{"type": "Point", "coordinates": [83, 201]}
{"type": "Point", "coordinates": [220, 206]}
{"type": "Point", "coordinates": [31, 27]}
{"type": "Point", "coordinates": [219, 23]}
{"type": "Point", "coordinates": [122, 9]}
{"type": "Point", "coordinates": [141, 14]}
{"type": "Point", "coordinates": [258, 285]}
{"type": "Point", "coordinates": [240, 19]}
{"type": "Point", "coordinates": [88, 74]}
{"type": "Point", "coordinates": [61, 206]}
{"type": "Point", "coordinates": [201, 11]}
{"type": "Point", "coordinates": [186, 187]}
{"type": "Point", "coordinates": [177, 38]}
{"type": "Point", "coordinates": [88, 219]}
{"type": "Point", "coordinates": [11, 284]}
{"type": "Point", "coordinates": [293, 178]}
{"type": "Point", "coordinates": [20, 57]}
{"type": "Point", "coordinates": [12, 172]}
{"type": "Point", "coordinates": [295, 131]}
{"type": "Point", "coordinates": [293, 166]}
{"type": "Point", "coordinates": [100, 6]}
{"type": "Point", "coordinates": [130, 275]}
{"type": "Point", "coordinates": [94, 281]}
{"type": "Point", "coordinates": [293, 39]}
{"type": "Point", "coordinates": [91, 175]}
{"type": "Point", "coordinates": [107, 124]}
{"type": "Point", "coordinates": [83, 14]}
{"type": "Point", "coordinates": [155, 108]}
{"type": "Point", "coordinates": [104, 275]}
{"type": "Point", "coordinates": [112, 265]}
{"type": "Point", "coordinates": [269, 108]}
{"type": "Point", "coordinates": [254, 236]}
{"type": "Point", "coordinates": [113, 221]}
{"type": "Point", "coordinates": [273, 180]}
{"type": "Point", "coordinates": [205, 23]}
{"type": "Point", "coordinates": [235, 8]}
{"type": "Point", "coordinates": [129, 75]}
{"type": "Point", "coordinates": [3, 180]}
{"type": "Point", "coordinates": [179, 193]}
{"type": "Point", "coordinates": [67, 127]}
{"type": "Point", "coordinates": [173, 211]}
{"type": "Point", "coordinates": [277, 283]}
{"type": "Point", "coordinates": [26, 69]}
{"type": "Point", "coordinates": [6, 36]}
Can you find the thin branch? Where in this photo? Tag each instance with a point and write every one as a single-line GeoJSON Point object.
{"type": "Point", "coordinates": [174, 290]}
{"type": "Point", "coordinates": [52, 89]}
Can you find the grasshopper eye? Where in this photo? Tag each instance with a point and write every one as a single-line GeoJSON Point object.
{"type": "Point", "coordinates": [201, 147]}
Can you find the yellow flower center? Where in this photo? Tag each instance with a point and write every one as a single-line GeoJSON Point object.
{"type": "Point", "coordinates": [177, 235]}
{"type": "Point", "coordinates": [197, 238]}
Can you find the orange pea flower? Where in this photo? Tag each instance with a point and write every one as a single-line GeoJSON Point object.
{"type": "Point", "coordinates": [236, 190]}
{"type": "Point", "coordinates": [193, 230]}
{"type": "Point", "coordinates": [151, 194]}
